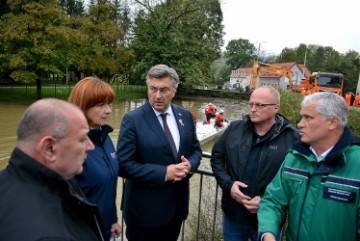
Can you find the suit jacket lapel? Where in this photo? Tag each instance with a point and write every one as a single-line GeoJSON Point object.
{"type": "Point", "coordinates": [153, 122]}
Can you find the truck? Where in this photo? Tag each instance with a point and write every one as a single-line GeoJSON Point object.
{"type": "Point", "coordinates": [317, 82]}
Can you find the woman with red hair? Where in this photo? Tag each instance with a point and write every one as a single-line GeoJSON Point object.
{"type": "Point", "coordinates": [99, 179]}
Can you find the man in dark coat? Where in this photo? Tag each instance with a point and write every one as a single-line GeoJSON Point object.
{"type": "Point", "coordinates": [245, 159]}
{"type": "Point", "coordinates": [157, 166]}
{"type": "Point", "coordinates": [39, 198]}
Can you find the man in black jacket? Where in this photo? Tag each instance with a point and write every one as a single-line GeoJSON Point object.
{"type": "Point", "coordinates": [39, 198]}
{"type": "Point", "coordinates": [245, 159]}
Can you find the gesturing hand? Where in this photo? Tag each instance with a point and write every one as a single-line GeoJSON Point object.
{"type": "Point", "coordinates": [177, 172]}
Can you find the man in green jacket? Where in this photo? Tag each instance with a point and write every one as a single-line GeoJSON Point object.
{"type": "Point", "coordinates": [318, 184]}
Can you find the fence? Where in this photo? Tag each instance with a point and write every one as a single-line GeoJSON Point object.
{"type": "Point", "coordinates": [62, 91]}
{"type": "Point", "coordinates": [204, 220]}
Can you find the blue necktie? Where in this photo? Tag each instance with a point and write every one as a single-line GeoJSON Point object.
{"type": "Point", "coordinates": [168, 135]}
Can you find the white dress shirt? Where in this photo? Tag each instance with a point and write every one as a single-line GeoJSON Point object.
{"type": "Point", "coordinates": [171, 121]}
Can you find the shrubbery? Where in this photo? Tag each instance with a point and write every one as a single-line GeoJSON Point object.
{"type": "Point", "coordinates": [290, 108]}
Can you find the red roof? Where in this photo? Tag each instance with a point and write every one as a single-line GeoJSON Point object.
{"type": "Point", "coordinates": [247, 71]}
{"type": "Point", "coordinates": [286, 65]}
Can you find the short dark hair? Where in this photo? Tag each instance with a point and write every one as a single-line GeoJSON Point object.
{"type": "Point", "coordinates": [161, 71]}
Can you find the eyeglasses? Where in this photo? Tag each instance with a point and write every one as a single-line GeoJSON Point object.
{"type": "Point", "coordinates": [259, 106]}
{"type": "Point", "coordinates": [163, 91]}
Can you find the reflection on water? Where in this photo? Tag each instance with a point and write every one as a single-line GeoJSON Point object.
{"type": "Point", "coordinates": [10, 115]}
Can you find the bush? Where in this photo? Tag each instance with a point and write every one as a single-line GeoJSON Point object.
{"type": "Point", "coordinates": [291, 104]}
{"type": "Point", "coordinates": [354, 121]}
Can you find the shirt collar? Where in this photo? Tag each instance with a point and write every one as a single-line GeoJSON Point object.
{"type": "Point", "coordinates": [168, 111]}
{"type": "Point", "coordinates": [323, 155]}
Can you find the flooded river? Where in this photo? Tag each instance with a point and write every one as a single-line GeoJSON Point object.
{"type": "Point", "coordinates": [10, 114]}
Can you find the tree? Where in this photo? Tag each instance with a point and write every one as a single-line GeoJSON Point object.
{"type": "Point", "coordinates": [219, 72]}
{"type": "Point", "coordinates": [286, 55]}
{"type": "Point", "coordinates": [183, 34]}
{"type": "Point", "coordinates": [350, 67]}
{"type": "Point", "coordinates": [240, 53]}
{"type": "Point", "coordinates": [223, 75]}
{"type": "Point", "coordinates": [31, 34]}
{"type": "Point", "coordinates": [73, 7]}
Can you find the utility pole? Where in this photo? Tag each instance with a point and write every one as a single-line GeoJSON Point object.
{"type": "Point", "coordinates": [258, 50]}
{"type": "Point", "coordinates": [358, 86]}
{"type": "Point", "coordinates": [305, 61]}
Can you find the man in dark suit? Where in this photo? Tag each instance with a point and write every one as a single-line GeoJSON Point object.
{"type": "Point", "coordinates": [157, 165]}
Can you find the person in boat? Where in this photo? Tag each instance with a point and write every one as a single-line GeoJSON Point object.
{"type": "Point", "coordinates": [246, 157]}
{"type": "Point", "coordinates": [219, 119]}
{"type": "Point", "coordinates": [158, 151]}
{"type": "Point", "coordinates": [210, 112]}
{"type": "Point", "coordinates": [40, 199]}
{"type": "Point", "coordinates": [99, 179]}
{"type": "Point", "coordinates": [318, 183]}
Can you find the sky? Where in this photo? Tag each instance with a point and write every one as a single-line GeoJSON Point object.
{"type": "Point", "coordinates": [277, 24]}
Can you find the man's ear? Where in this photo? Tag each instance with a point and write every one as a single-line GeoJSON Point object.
{"type": "Point", "coordinates": [277, 107]}
{"type": "Point", "coordinates": [334, 123]}
{"type": "Point", "coordinates": [47, 148]}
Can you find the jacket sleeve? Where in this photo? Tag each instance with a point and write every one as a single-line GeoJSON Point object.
{"type": "Point", "coordinates": [358, 222]}
{"type": "Point", "coordinates": [272, 207]}
{"type": "Point", "coordinates": [130, 166]}
{"type": "Point", "coordinates": [218, 162]}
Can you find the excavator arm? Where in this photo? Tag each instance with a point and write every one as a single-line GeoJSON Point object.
{"type": "Point", "coordinates": [262, 67]}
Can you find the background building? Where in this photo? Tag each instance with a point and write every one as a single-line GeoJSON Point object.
{"type": "Point", "coordinates": [241, 77]}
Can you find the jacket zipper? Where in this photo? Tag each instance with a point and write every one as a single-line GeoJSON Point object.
{"type": "Point", "coordinates": [302, 207]}
{"type": "Point", "coordinates": [98, 227]}
{"type": "Point", "coordinates": [260, 158]}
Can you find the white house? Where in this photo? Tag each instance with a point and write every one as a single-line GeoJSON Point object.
{"type": "Point", "coordinates": [243, 76]}
{"type": "Point", "coordinates": [240, 78]}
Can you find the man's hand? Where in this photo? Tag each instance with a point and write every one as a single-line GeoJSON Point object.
{"type": "Point", "coordinates": [268, 237]}
{"type": "Point", "coordinates": [236, 194]}
{"type": "Point", "coordinates": [116, 230]}
{"type": "Point", "coordinates": [253, 204]}
{"type": "Point", "coordinates": [177, 172]}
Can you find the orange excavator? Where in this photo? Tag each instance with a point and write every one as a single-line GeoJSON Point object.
{"type": "Point", "coordinates": [271, 68]}
{"type": "Point", "coordinates": [317, 82]}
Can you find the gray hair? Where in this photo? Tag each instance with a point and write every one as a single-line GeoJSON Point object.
{"type": "Point", "coordinates": [329, 105]}
{"type": "Point", "coordinates": [161, 71]}
{"type": "Point", "coordinates": [44, 117]}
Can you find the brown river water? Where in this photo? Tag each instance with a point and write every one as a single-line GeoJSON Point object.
{"type": "Point", "coordinates": [10, 114]}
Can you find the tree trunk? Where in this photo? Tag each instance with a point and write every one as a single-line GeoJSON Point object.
{"type": "Point", "coordinates": [38, 89]}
